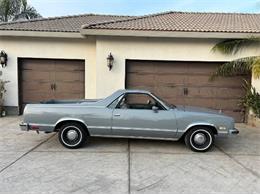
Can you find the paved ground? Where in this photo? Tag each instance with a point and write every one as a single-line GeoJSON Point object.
{"type": "Point", "coordinates": [31, 163]}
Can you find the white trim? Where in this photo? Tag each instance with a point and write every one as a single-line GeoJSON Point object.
{"type": "Point", "coordinates": [135, 33]}
{"type": "Point", "coordinates": [13, 33]}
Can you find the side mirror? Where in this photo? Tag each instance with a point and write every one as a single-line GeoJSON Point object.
{"type": "Point", "coordinates": [155, 108]}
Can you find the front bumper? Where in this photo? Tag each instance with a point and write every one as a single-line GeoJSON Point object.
{"type": "Point", "coordinates": [228, 132]}
{"type": "Point", "coordinates": [24, 126]}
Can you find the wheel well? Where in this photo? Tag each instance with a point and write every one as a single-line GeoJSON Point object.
{"type": "Point", "coordinates": [214, 130]}
{"type": "Point", "coordinates": [60, 124]}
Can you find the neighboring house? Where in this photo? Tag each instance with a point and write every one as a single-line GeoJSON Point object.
{"type": "Point", "coordinates": [167, 53]}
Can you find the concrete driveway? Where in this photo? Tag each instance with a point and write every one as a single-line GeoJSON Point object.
{"type": "Point", "coordinates": [31, 163]}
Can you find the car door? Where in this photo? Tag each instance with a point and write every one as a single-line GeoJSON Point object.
{"type": "Point", "coordinates": [143, 121]}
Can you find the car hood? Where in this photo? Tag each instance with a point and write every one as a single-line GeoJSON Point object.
{"type": "Point", "coordinates": [198, 109]}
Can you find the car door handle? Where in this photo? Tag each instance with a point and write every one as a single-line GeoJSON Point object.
{"type": "Point", "coordinates": [116, 114]}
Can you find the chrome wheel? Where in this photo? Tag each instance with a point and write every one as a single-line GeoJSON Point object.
{"type": "Point", "coordinates": [71, 136]}
{"type": "Point", "coordinates": [201, 140]}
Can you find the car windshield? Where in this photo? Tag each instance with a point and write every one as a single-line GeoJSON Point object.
{"type": "Point", "coordinates": [165, 102]}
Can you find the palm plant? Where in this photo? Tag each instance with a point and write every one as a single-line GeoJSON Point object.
{"type": "Point", "coordinates": [11, 10]}
{"type": "Point", "coordinates": [242, 65]}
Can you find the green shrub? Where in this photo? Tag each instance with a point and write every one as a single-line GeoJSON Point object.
{"type": "Point", "coordinates": [251, 99]}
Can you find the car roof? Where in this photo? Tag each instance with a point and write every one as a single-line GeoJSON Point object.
{"type": "Point", "coordinates": [133, 91]}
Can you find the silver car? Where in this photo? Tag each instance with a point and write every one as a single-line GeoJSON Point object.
{"type": "Point", "coordinates": [127, 114]}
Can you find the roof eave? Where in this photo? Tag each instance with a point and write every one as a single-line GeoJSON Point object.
{"type": "Point", "coordinates": [166, 34]}
{"type": "Point", "coordinates": [44, 34]}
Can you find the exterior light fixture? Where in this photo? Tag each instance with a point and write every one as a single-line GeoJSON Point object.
{"type": "Point", "coordinates": [3, 59]}
{"type": "Point", "coordinates": [110, 61]}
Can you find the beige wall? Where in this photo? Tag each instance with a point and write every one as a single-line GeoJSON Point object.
{"type": "Point", "coordinates": [151, 49]}
{"type": "Point", "coordinates": [101, 82]}
{"type": "Point", "coordinates": [46, 48]}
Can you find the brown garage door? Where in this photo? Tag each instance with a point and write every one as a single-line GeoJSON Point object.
{"type": "Point", "coordinates": [42, 79]}
{"type": "Point", "coordinates": [187, 83]}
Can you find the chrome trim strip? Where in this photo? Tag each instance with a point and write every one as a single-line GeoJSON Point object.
{"type": "Point", "coordinates": [99, 127]}
{"type": "Point", "coordinates": [143, 129]}
{"type": "Point", "coordinates": [131, 128]}
{"type": "Point", "coordinates": [135, 137]}
{"type": "Point", "coordinates": [223, 132]}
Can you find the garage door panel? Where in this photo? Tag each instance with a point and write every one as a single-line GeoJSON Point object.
{"type": "Point", "coordinates": [69, 67]}
{"type": "Point", "coordinates": [192, 80]}
{"type": "Point", "coordinates": [239, 116]}
{"type": "Point", "coordinates": [137, 79]}
{"type": "Point", "coordinates": [64, 96]}
{"type": "Point", "coordinates": [38, 65]}
{"type": "Point", "coordinates": [38, 77]}
{"type": "Point", "coordinates": [36, 97]}
{"type": "Point", "coordinates": [35, 86]}
{"type": "Point", "coordinates": [214, 103]}
{"type": "Point", "coordinates": [169, 92]}
{"type": "Point", "coordinates": [69, 87]}
{"type": "Point", "coordinates": [69, 76]}
{"type": "Point", "coordinates": [215, 92]}
{"type": "Point", "coordinates": [200, 68]}
{"type": "Point", "coordinates": [171, 79]}
{"type": "Point", "coordinates": [175, 80]}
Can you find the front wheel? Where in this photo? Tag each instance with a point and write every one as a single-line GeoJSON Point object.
{"type": "Point", "coordinates": [72, 135]}
{"type": "Point", "coordinates": [199, 139]}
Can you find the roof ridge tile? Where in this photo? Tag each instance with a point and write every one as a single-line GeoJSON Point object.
{"type": "Point", "coordinates": [125, 20]}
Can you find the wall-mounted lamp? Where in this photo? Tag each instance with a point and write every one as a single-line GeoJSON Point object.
{"type": "Point", "coordinates": [110, 61]}
{"type": "Point", "coordinates": [3, 59]}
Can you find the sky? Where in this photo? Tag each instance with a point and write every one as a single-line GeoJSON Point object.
{"type": "Point", "coordinates": [49, 8]}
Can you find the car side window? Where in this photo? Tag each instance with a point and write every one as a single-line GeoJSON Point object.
{"type": "Point", "coordinates": [138, 101]}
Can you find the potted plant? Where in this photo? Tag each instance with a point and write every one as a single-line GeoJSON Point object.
{"type": "Point", "coordinates": [2, 92]}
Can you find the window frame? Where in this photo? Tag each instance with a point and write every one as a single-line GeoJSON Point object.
{"type": "Point", "coordinates": [141, 93]}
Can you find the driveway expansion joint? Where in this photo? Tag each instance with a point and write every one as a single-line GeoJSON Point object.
{"type": "Point", "coordinates": [239, 163]}
{"type": "Point", "coordinates": [26, 153]}
{"type": "Point", "coordinates": [129, 166]}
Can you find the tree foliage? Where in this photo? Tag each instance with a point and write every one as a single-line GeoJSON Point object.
{"type": "Point", "coordinates": [232, 46]}
{"type": "Point", "coordinates": [241, 66]}
{"type": "Point", "coordinates": [11, 10]}
{"type": "Point", "coordinates": [238, 66]}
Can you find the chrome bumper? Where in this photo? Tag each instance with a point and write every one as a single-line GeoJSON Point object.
{"type": "Point", "coordinates": [228, 132]}
{"type": "Point", "coordinates": [24, 126]}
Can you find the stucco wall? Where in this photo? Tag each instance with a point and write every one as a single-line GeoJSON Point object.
{"type": "Point", "coordinates": [152, 49]}
{"type": "Point", "coordinates": [101, 82]}
{"type": "Point", "coordinates": [46, 48]}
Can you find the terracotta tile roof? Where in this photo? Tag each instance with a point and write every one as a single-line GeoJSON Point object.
{"type": "Point", "coordinates": [59, 24]}
{"type": "Point", "coordinates": [186, 22]}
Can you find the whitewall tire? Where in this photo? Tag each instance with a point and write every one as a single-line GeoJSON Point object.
{"type": "Point", "coordinates": [199, 139]}
{"type": "Point", "coordinates": [72, 135]}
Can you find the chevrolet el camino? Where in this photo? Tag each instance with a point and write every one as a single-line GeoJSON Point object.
{"type": "Point", "coordinates": [127, 114]}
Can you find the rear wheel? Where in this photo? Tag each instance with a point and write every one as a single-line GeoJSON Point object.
{"type": "Point", "coordinates": [72, 135]}
{"type": "Point", "coordinates": [199, 139]}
